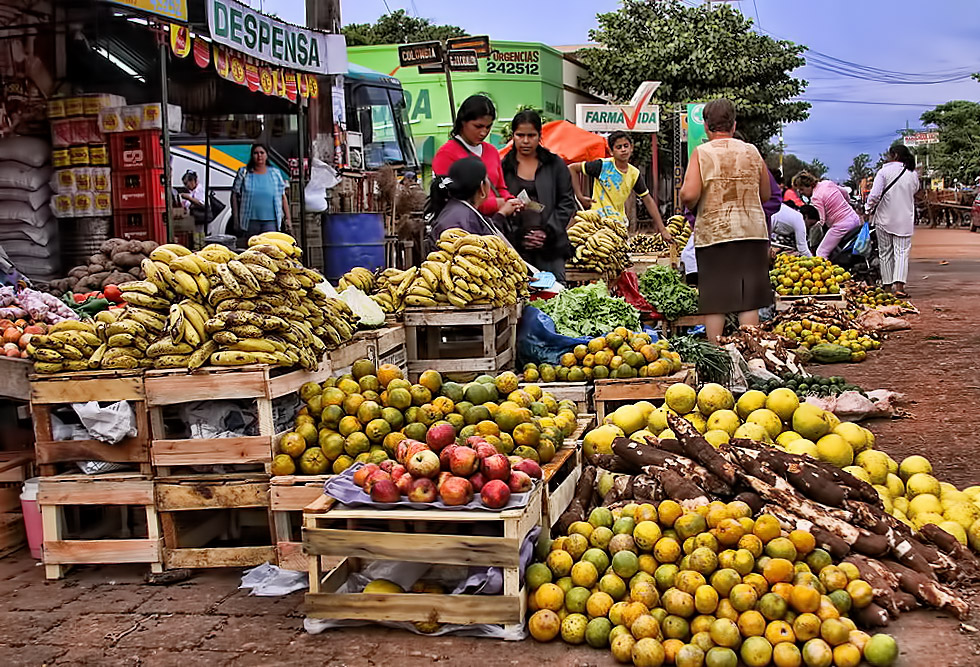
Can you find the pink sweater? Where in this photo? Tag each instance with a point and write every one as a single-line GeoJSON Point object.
{"type": "Point", "coordinates": [452, 151]}
{"type": "Point", "coordinates": [830, 202]}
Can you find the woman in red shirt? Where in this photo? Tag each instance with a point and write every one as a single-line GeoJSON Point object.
{"type": "Point", "coordinates": [473, 122]}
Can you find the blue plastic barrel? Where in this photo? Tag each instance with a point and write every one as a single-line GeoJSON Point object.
{"type": "Point", "coordinates": [352, 239]}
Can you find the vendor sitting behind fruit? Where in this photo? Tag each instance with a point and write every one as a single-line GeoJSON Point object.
{"type": "Point", "coordinates": [614, 179]}
{"type": "Point", "coordinates": [454, 202]}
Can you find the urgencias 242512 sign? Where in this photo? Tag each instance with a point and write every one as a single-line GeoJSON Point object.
{"type": "Point", "coordinates": [240, 27]}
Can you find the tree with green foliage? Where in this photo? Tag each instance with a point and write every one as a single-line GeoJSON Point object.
{"type": "Point", "coordinates": [792, 165]}
{"type": "Point", "coordinates": [859, 170]}
{"type": "Point", "coordinates": [957, 155]}
{"type": "Point", "coordinates": [398, 28]}
{"type": "Point", "coordinates": [698, 53]}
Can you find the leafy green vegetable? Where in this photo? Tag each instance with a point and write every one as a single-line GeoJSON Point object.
{"type": "Point", "coordinates": [712, 362]}
{"type": "Point", "coordinates": [589, 311]}
{"type": "Point", "coordinates": [664, 288]}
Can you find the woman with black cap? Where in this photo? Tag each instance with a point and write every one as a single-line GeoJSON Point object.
{"type": "Point", "coordinates": [454, 201]}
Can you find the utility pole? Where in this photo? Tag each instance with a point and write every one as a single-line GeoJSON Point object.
{"type": "Point", "coordinates": [323, 15]}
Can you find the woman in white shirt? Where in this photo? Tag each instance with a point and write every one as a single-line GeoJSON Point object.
{"type": "Point", "coordinates": [891, 205]}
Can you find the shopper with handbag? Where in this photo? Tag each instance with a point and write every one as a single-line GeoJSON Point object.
{"type": "Point", "coordinates": [891, 207]}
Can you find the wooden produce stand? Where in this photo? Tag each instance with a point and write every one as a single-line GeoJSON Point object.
{"type": "Point", "coordinates": [56, 495]}
{"type": "Point", "coordinates": [611, 393]}
{"type": "Point", "coordinates": [579, 274]}
{"type": "Point", "coordinates": [15, 378]}
{"type": "Point", "coordinates": [49, 392]}
{"type": "Point", "coordinates": [579, 393]}
{"type": "Point", "coordinates": [386, 345]}
{"type": "Point", "coordinates": [643, 261]}
{"type": "Point", "coordinates": [785, 302]}
{"type": "Point", "coordinates": [441, 537]}
{"type": "Point", "coordinates": [681, 324]}
{"type": "Point", "coordinates": [343, 357]}
{"type": "Point", "coordinates": [15, 467]}
{"type": "Point", "coordinates": [475, 340]}
{"type": "Point", "coordinates": [288, 496]}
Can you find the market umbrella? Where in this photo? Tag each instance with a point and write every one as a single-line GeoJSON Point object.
{"type": "Point", "coordinates": [569, 141]}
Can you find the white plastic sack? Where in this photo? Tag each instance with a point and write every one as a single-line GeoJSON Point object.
{"type": "Point", "coordinates": [109, 424]}
{"type": "Point", "coordinates": [852, 406]}
{"type": "Point", "coordinates": [269, 580]}
{"type": "Point", "coordinates": [36, 198]}
{"type": "Point", "coordinates": [215, 419]}
{"type": "Point", "coordinates": [31, 151]}
{"type": "Point", "coordinates": [322, 178]}
{"type": "Point", "coordinates": [219, 225]}
{"type": "Point", "coordinates": [19, 175]}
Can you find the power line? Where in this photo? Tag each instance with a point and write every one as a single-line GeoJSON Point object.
{"type": "Point", "coordinates": [887, 104]}
{"type": "Point", "coordinates": [758, 20]}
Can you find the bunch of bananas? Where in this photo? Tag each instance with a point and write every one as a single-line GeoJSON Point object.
{"type": "Point", "coordinates": [647, 244]}
{"type": "Point", "coordinates": [66, 347]}
{"type": "Point", "coordinates": [679, 230]}
{"type": "Point", "coordinates": [267, 309]}
{"type": "Point", "coordinates": [358, 277]}
{"type": "Point", "coordinates": [599, 243]}
{"type": "Point", "coordinates": [391, 288]}
{"type": "Point", "coordinates": [467, 270]}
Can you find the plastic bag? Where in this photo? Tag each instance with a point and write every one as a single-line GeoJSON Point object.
{"type": "Point", "coordinates": [109, 424]}
{"type": "Point", "coordinates": [268, 580]}
{"type": "Point", "coordinates": [537, 340]}
{"type": "Point", "coordinates": [862, 244]}
{"type": "Point", "coordinates": [322, 178]}
{"type": "Point", "coordinates": [628, 287]}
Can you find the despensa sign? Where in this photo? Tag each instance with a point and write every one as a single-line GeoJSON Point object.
{"type": "Point", "coordinates": [243, 29]}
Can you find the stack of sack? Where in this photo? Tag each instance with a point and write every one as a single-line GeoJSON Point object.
{"type": "Point", "coordinates": [28, 228]}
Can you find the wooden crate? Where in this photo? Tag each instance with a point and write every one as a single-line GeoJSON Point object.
{"type": "Point", "coordinates": [476, 340]}
{"type": "Point", "coordinates": [611, 393]}
{"type": "Point", "coordinates": [51, 391]}
{"type": "Point", "coordinates": [561, 474]}
{"type": "Point", "coordinates": [467, 538]}
{"type": "Point", "coordinates": [643, 261]}
{"type": "Point", "coordinates": [578, 392]}
{"type": "Point", "coordinates": [15, 467]}
{"type": "Point", "coordinates": [14, 378]}
{"type": "Point", "coordinates": [288, 495]}
{"type": "Point", "coordinates": [785, 301]}
{"type": "Point", "coordinates": [343, 357]}
{"type": "Point", "coordinates": [204, 521]}
{"type": "Point", "coordinates": [12, 532]}
{"type": "Point", "coordinates": [583, 423]}
{"type": "Point", "coordinates": [579, 274]}
{"type": "Point", "coordinates": [62, 493]}
{"type": "Point", "coordinates": [681, 324]}
{"type": "Point", "coordinates": [259, 383]}
{"type": "Point", "coordinates": [386, 345]}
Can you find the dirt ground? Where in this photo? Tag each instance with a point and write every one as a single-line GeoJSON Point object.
{"type": "Point", "coordinates": [108, 616]}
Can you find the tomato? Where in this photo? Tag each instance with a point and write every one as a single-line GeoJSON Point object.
{"type": "Point", "coordinates": [79, 298]}
{"type": "Point", "coordinates": [112, 293]}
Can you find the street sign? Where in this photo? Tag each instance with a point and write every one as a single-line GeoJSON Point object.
{"type": "Point", "coordinates": [696, 134]}
{"type": "Point", "coordinates": [437, 68]}
{"type": "Point", "coordinates": [463, 61]}
{"type": "Point", "coordinates": [422, 53]}
{"type": "Point", "coordinates": [920, 139]}
{"type": "Point", "coordinates": [480, 44]}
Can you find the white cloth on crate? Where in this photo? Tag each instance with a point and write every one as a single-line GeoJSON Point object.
{"type": "Point", "coordinates": [896, 210]}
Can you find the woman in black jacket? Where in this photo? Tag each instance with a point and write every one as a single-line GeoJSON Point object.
{"type": "Point", "coordinates": [538, 232]}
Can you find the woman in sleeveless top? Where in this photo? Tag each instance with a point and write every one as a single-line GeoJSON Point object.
{"type": "Point", "coordinates": [726, 183]}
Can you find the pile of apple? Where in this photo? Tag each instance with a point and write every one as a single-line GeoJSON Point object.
{"type": "Point", "coordinates": [440, 468]}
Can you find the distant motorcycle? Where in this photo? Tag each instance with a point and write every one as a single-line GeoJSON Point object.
{"type": "Point", "coordinates": [861, 267]}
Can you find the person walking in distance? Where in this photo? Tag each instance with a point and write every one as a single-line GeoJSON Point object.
{"type": "Point", "coordinates": [891, 207]}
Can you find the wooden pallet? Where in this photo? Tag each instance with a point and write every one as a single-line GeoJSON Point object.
{"type": "Point", "coordinates": [51, 391]}
{"type": "Point", "coordinates": [288, 495]}
{"type": "Point", "coordinates": [202, 520]}
{"type": "Point", "coordinates": [467, 538]}
{"type": "Point", "coordinates": [58, 494]}
{"type": "Point", "coordinates": [561, 474]}
{"type": "Point", "coordinates": [14, 378]}
{"type": "Point", "coordinates": [784, 301]}
{"type": "Point", "coordinates": [610, 393]}
{"type": "Point", "coordinates": [481, 339]}
{"type": "Point", "coordinates": [578, 392]}
{"type": "Point", "coordinates": [260, 383]}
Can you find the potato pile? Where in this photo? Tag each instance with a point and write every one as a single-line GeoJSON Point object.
{"type": "Point", "coordinates": [117, 261]}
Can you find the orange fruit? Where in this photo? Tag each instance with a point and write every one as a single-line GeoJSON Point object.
{"type": "Point", "coordinates": [778, 570]}
{"type": "Point", "coordinates": [804, 599]}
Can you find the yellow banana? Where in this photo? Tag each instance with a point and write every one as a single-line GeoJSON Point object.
{"type": "Point", "coordinates": [191, 337]}
{"type": "Point", "coordinates": [165, 346]}
{"type": "Point", "coordinates": [186, 263]}
{"type": "Point", "coordinates": [175, 323]}
{"type": "Point", "coordinates": [243, 275]}
{"type": "Point", "coordinates": [228, 279]}
{"type": "Point", "coordinates": [202, 354]}
{"type": "Point", "coordinates": [161, 254]}
{"type": "Point", "coordinates": [175, 248]}
{"type": "Point", "coordinates": [186, 285]}
{"type": "Point", "coordinates": [71, 325]}
{"type": "Point", "coordinates": [203, 284]}
{"type": "Point", "coordinates": [254, 345]}
{"type": "Point", "coordinates": [232, 358]}
{"type": "Point", "coordinates": [194, 318]}
{"type": "Point", "coordinates": [145, 301]}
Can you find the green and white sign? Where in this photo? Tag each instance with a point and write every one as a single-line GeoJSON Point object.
{"type": "Point", "coordinates": [243, 29]}
{"type": "Point", "coordinates": [696, 134]}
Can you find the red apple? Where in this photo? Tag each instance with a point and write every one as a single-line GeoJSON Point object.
{"type": "Point", "coordinates": [404, 483]}
{"type": "Point", "coordinates": [495, 494]}
{"type": "Point", "coordinates": [440, 435]}
{"type": "Point", "coordinates": [441, 479]}
{"type": "Point", "coordinates": [530, 467]}
{"type": "Point", "coordinates": [445, 454]}
{"type": "Point", "coordinates": [463, 461]}
{"type": "Point", "coordinates": [396, 470]}
{"type": "Point", "coordinates": [519, 482]}
{"type": "Point", "coordinates": [456, 491]}
{"type": "Point", "coordinates": [374, 478]}
{"type": "Point", "coordinates": [365, 471]}
{"type": "Point", "coordinates": [414, 447]}
{"type": "Point", "coordinates": [514, 460]}
{"type": "Point", "coordinates": [496, 467]}
{"type": "Point", "coordinates": [385, 491]}
{"type": "Point", "coordinates": [423, 491]}
{"type": "Point", "coordinates": [477, 480]}
{"type": "Point", "coordinates": [475, 440]}
{"type": "Point", "coordinates": [387, 465]}
{"type": "Point", "coordinates": [485, 449]}
{"type": "Point", "coordinates": [401, 451]}
{"type": "Point", "coordinates": [424, 463]}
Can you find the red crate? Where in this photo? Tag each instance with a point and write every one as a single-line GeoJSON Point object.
{"type": "Point", "coordinates": [138, 189]}
{"type": "Point", "coordinates": [136, 150]}
{"type": "Point", "coordinates": [142, 225]}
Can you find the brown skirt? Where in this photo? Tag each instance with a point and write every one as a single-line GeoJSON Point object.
{"type": "Point", "coordinates": [733, 277]}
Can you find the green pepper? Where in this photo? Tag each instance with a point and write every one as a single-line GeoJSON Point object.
{"type": "Point", "coordinates": [93, 306]}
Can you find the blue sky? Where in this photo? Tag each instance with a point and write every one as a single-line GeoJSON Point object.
{"type": "Point", "coordinates": [934, 39]}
